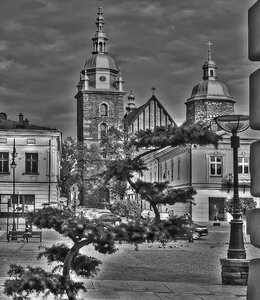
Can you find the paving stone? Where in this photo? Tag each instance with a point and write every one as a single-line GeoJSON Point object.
{"type": "Point", "coordinates": [167, 296]}
{"type": "Point", "coordinates": [179, 288]}
{"type": "Point", "coordinates": [111, 284]}
{"type": "Point", "coordinates": [98, 295]}
{"type": "Point", "coordinates": [226, 289]}
{"type": "Point", "coordinates": [218, 297]}
{"type": "Point", "coordinates": [137, 296]}
{"type": "Point", "coordinates": [150, 286]}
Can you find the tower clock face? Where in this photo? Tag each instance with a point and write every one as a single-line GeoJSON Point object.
{"type": "Point", "coordinates": [102, 78]}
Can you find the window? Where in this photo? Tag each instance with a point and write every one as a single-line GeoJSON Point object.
{"type": "Point", "coordinates": [103, 130]}
{"type": "Point", "coordinates": [31, 163]}
{"type": "Point", "coordinates": [172, 169]}
{"type": "Point", "coordinates": [215, 165]}
{"type": "Point", "coordinates": [4, 162]}
{"type": "Point", "coordinates": [3, 140]}
{"type": "Point", "coordinates": [103, 110]}
{"type": "Point", "coordinates": [31, 141]}
{"type": "Point", "coordinates": [243, 165]}
{"type": "Point", "coordinates": [179, 169]}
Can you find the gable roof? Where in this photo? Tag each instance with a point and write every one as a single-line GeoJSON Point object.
{"type": "Point", "coordinates": [130, 118]}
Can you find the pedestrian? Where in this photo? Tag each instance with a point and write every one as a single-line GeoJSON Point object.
{"type": "Point", "coordinates": [215, 212]}
{"type": "Point", "coordinates": [26, 235]}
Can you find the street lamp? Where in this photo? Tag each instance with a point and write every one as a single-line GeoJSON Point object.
{"type": "Point", "coordinates": [235, 124]}
{"type": "Point", "coordinates": [13, 166]}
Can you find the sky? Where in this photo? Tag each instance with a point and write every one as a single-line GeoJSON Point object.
{"type": "Point", "coordinates": [162, 43]}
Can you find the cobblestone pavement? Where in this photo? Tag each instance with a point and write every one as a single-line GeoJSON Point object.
{"type": "Point", "coordinates": [181, 270]}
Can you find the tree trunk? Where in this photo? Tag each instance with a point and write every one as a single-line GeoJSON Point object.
{"type": "Point", "coordinates": [67, 266]}
{"type": "Point", "coordinates": [156, 211]}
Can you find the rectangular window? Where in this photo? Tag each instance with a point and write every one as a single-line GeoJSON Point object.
{"type": "Point", "coordinates": [172, 169]}
{"type": "Point", "coordinates": [243, 165]}
{"type": "Point", "coordinates": [215, 165]}
{"type": "Point", "coordinates": [3, 140]}
{"type": "Point", "coordinates": [31, 163]}
{"type": "Point", "coordinates": [179, 169]}
{"type": "Point", "coordinates": [31, 141]}
{"type": "Point", "coordinates": [4, 162]}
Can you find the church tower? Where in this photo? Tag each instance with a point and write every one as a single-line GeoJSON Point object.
{"type": "Point", "coordinates": [100, 102]}
{"type": "Point", "coordinates": [210, 98]}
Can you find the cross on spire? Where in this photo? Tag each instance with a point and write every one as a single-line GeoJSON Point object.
{"type": "Point", "coordinates": [153, 89]}
{"type": "Point", "coordinates": [209, 49]}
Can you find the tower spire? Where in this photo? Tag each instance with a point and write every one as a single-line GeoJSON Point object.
{"type": "Point", "coordinates": [209, 66]}
{"type": "Point", "coordinates": [209, 50]}
{"type": "Point", "coordinates": [99, 39]}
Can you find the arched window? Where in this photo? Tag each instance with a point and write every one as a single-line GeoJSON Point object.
{"type": "Point", "coordinates": [211, 73]}
{"type": "Point", "coordinates": [103, 110]}
{"type": "Point", "coordinates": [100, 47]}
{"type": "Point", "coordinates": [103, 130]}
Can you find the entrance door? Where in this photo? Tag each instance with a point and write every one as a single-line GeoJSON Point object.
{"type": "Point", "coordinates": [216, 209]}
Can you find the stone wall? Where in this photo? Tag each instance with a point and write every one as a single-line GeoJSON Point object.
{"type": "Point", "coordinates": [234, 271]}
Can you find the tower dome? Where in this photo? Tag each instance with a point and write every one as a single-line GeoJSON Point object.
{"type": "Point", "coordinates": [210, 97]}
{"type": "Point", "coordinates": [210, 89]}
{"type": "Point", "coordinates": [100, 67]}
{"type": "Point", "coordinates": [100, 61]}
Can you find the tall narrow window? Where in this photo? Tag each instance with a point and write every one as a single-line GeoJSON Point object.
{"type": "Point", "coordinates": [179, 169]}
{"type": "Point", "coordinates": [31, 163]}
{"type": "Point", "coordinates": [103, 130]}
{"type": "Point", "coordinates": [172, 169]}
{"type": "Point", "coordinates": [4, 162]}
{"type": "Point", "coordinates": [243, 165]}
{"type": "Point", "coordinates": [215, 165]}
{"type": "Point", "coordinates": [103, 110]}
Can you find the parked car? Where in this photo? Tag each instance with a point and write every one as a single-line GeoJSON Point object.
{"type": "Point", "coordinates": [164, 216]}
{"type": "Point", "coordinates": [109, 219]}
{"type": "Point", "coordinates": [198, 230]}
{"type": "Point", "coordinates": [52, 204]}
{"type": "Point", "coordinates": [146, 213]}
{"type": "Point", "coordinates": [190, 228]}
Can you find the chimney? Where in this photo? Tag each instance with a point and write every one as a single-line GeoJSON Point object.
{"type": "Point", "coordinates": [3, 116]}
{"type": "Point", "coordinates": [20, 118]}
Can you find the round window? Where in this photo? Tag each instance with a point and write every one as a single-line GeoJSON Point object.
{"type": "Point", "coordinates": [102, 78]}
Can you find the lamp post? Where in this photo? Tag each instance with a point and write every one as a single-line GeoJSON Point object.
{"type": "Point", "coordinates": [13, 166]}
{"type": "Point", "coordinates": [235, 124]}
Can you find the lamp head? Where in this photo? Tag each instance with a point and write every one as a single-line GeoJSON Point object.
{"type": "Point", "coordinates": [13, 165]}
{"type": "Point", "coordinates": [233, 123]}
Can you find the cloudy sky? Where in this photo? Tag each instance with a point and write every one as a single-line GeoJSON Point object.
{"type": "Point", "coordinates": [45, 43]}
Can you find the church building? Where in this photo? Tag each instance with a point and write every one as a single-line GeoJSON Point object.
{"type": "Point", "coordinates": [208, 169]}
{"type": "Point", "coordinates": [100, 105]}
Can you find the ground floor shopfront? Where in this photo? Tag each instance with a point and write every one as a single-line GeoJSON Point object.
{"type": "Point", "coordinates": [210, 205]}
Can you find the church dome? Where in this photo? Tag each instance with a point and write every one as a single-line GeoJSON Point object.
{"type": "Point", "coordinates": [100, 61]}
{"type": "Point", "coordinates": [210, 89]}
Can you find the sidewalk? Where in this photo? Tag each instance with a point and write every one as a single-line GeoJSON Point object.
{"type": "Point", "coordinates": [122, 277]}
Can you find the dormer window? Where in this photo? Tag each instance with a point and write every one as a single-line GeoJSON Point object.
{"type": "Point", "coordinates": [103, 110]}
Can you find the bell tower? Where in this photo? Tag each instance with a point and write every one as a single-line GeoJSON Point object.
{"type": "Point", "coordinates": [100, 96]}
{"type": "Point", "coordinates": [100, 103]}
{"type": "Point", "coordinates": [210, 97]}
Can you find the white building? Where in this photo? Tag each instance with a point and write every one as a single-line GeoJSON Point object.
{"type": "Point", "coordinates": [207, 169]}
{"type": "Point", "coordinates": [36, 175]}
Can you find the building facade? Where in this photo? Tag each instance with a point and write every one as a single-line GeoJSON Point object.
{"type": "Point", "coordinates": [30, 158]}
{"type": "Point", "coordinates": [100, 97]}
{"type": "Point", "coordinates": [208, 169]}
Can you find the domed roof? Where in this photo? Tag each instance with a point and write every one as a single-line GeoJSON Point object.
{"type": "Point", "coordinates": [100, 60]}
{"type": "Point", "coordinates": [212, 89]}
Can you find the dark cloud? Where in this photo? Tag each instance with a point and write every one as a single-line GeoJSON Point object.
{"type": "Point", "coordinates": [44, 45]}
